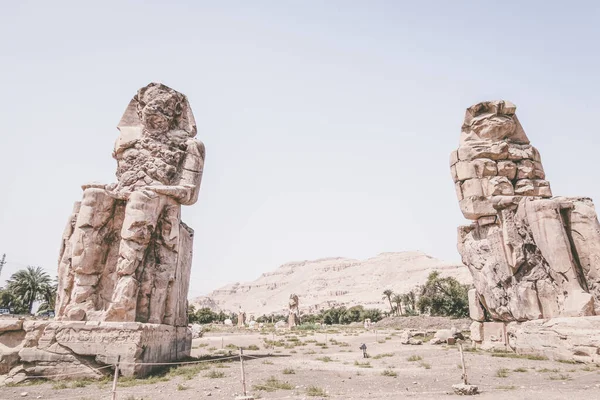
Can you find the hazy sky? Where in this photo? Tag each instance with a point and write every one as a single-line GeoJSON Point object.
{"type": "Point", "coordinates": [327, 124]}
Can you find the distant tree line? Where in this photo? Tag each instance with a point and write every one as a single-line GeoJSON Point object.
{"type": "Point", "coordinates": [437, 297]}
{"type": "Point", "coordinates": [342, 315]}
{"type": "Point", "coordinates": [206, 316]}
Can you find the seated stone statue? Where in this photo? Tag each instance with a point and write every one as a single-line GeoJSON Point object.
{"type": "Point", "coordinates": [126, 255]}
{"type": "Point", "coordinates": [294, 311]}
{"type": "Point", "coordinates": [531, 255]}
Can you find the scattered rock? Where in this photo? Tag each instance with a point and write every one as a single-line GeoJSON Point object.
{"type": "Point", "coordinates": [465, 390]}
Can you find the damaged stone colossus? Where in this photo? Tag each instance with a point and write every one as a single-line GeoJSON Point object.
{"type": "Point", "coordinates": [125, 254]}
{"type": "Point", "coordinates": [531, 255]}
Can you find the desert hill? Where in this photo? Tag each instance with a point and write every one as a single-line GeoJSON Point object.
{"type": "Point", "coordinates": [327, 282]}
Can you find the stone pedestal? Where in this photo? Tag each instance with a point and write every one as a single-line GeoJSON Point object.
{"type": "Point", "coordinates": [571, 339]}
{"type": "Point", "coordinates": [47, 348]}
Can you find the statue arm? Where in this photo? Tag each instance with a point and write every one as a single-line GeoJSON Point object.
{"type": "Point", "coordinates": [191, 176]}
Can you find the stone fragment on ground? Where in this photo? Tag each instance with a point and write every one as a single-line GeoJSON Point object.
{"type": "Point", "coordinates": [465, 390]}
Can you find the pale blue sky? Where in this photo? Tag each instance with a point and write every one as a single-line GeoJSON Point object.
{"type": "Point", "coordinates": [328, 124]}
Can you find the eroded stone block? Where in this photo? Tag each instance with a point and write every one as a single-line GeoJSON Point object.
{"type": "Point", "coordinates": [531, 255]}
{"type": "Point", "coordinates": [475, 309]}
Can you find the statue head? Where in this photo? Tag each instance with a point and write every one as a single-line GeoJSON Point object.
{"type": "Point", "coordinates": [492, 121]}
{"type": "Point", "coordinates": [158, 109]}
{"type": "Point", "coordinates": [293, 300]}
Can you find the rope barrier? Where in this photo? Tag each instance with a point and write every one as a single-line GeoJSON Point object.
{"type": "Point", "coordinates": [181, 362]}
{"type": "Point", "coordinates": [69, 374]}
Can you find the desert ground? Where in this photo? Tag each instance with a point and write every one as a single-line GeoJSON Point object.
{"type": "Point", "coordinates": [327, 363]}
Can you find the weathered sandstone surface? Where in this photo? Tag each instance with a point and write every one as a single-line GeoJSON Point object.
{"type": "Point", "coordinates": [532, 256]}
{"type": "Point", "coordinates": [125, 256]}
{"type": "Point", "coordinates": [535, 259]}
{"type": "Point", "coordinates": [62, 350]}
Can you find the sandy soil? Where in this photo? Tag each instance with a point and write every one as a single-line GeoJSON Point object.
{"type": "Point", "coordinates": [334, 369]}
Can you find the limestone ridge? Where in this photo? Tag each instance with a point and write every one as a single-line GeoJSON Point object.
{"type": "Point", "coordinates": [328, 282]}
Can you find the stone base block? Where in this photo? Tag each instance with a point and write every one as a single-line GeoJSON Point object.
{"type": "Point", "coordinates": [49, 348]}
{"type": "Point", "coordinates": [568, 338]}
{"type": "Point", "coordinates": [494, 336]}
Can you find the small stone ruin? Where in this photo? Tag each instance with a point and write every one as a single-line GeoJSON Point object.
{"type": "Point", "coordinates": [125, 256]}
{"type": "Point", "coordinates": [241, 319]}
{"type": "Point", "coordinates": [533, 257]}
{"type": "Point", "coordinates": [294, 311]}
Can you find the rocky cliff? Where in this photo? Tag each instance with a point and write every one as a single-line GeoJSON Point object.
{"type": "Point", "coordinates": [330, 282]}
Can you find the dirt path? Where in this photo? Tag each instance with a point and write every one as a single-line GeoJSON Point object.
{"type": "Point", "coordinates": [299, 361]}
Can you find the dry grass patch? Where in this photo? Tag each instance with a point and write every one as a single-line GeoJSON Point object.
{"type": "Point", "coordinates": [325, 359]}
{"type": "Point", "coordinates": [511, 387]}
{"type": "Point", "coordinates": [365, 364]}
{"type": "Point", "coordinates": [378, 356]}
{"type": "Point", "coordinates": [215, 374]}
{"type": "Point", "coordinates": [272, 384]}
{"type": "Point", "coordinates": [548, 370]}
{"type": "Point", "coordinates": [130, 381]}
{"type": "Point", "coordinates": [560, 377]}
{"type": "Point", "coordinates": [504, 354]}
{"type": "Point", "coordinates": [316, 391]}
{"type": "Point", "coordinates": [425, 365]}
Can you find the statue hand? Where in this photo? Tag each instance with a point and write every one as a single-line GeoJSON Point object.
{"type": "Point", "coordinates": [179, 192]}
{"type": "Point", "coordinates": [94, 185]}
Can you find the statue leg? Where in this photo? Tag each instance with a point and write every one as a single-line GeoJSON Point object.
{"type": "Point", "coordinates": [162, 297]}
{"type": "Point", "coordinates": [547, 224]}
{"type": "Point", "coordinates": [88, 251]}
{"type": "Point", "coordinates": [65, 271]}
{"type": "Point", "coordinates": [584, 230]}
{"type": "Point", "coordinates": [141, 216]}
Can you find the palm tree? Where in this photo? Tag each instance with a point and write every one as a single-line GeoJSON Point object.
{"type": "Point", "coordinates": [410, 301]}
{"type": "Point", "coordinates": [29, 285]}
{"type": "Point", "coordinates": [48, 296]}
{"type": "Point", "coordinates": [398, 300]}
{"type": "Point", "coordinates": [387, 294]}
